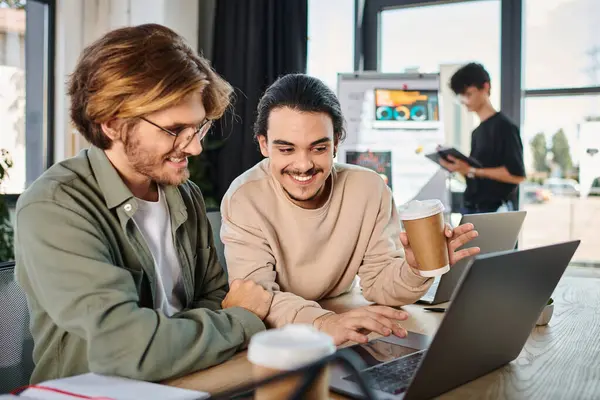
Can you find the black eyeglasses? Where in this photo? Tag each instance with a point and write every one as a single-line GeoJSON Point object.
{"type": "Point", "coordinates": [185, 136]}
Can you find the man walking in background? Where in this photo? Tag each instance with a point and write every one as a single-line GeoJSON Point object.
{"type": "Point", "coordinates": [495, 143]}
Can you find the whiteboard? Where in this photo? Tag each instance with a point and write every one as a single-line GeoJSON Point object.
{"type": "Point", "coordinates": [395, 145]}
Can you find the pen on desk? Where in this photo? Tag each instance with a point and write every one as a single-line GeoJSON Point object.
{"type": "Point", "coordinates": [435, 309]}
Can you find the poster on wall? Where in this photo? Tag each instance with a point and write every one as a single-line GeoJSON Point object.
{"type": "Point", "coordinates": [378, 161]}
{"type": "Point", "coordinates": [396, 108]}
{"type": "Point", "coordinates": [395, 117]}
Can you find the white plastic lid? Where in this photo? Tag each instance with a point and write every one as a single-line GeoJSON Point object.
{"type": "Point", "coordinates": [416, 209]}
{"type": "Point", "coordinates": [290, 347]}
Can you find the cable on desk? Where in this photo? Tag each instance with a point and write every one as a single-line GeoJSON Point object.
{"type": "Point", "coordinates": [349, 361]}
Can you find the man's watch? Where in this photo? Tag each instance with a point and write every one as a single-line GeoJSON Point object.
{"type": "Point", "coordinates": [471, 173]}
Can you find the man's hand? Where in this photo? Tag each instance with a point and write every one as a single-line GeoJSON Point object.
{"type": "Point", "coordinates": [248, 295]}
{"type": "Point", "coordinates": [455, 238]}
{"type": "Point", "coordinates": [355, 325]}
{"type": "Point", "coordinates": [455, 165]}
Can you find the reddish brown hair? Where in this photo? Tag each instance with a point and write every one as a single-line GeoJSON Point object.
{"type": "Point", "coordinates": [134, 71]}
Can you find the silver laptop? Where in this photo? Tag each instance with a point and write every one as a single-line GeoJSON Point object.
{"type": "Point", "coordinates": [492, 313]}
{"type": "Point", "coordinates": [497, 232]}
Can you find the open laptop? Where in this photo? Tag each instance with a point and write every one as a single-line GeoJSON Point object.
{"type": "Point", "coordinates": [497, 232]}
{"type": "Point", "coordinates": [492, 313]}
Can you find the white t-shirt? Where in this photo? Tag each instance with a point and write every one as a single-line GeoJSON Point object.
{"type": "Point", "coordinates": [154, 221]}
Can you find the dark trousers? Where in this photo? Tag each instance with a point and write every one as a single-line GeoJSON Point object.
{"type": "Point", "coordinates": [480, 209]}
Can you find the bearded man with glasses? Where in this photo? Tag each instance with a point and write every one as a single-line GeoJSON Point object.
{"type": "Point", "coordinates": [113, 247]}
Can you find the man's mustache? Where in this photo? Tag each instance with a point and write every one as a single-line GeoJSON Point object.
{"type": "Point", "coordinates": [312, 171]}
{"type": "Point", "coordinates": [178, 155]}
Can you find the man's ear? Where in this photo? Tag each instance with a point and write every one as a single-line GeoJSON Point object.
{"type": "Point", "coordinates": [487, 88]}
{"type": "Point", "coordinates": [264, 145]}
{"type": "Point", "coordinates": [336, 142]}
{"type": "Point", "coordinates": [112, 129]}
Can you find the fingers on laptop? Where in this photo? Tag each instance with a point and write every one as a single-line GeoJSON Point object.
{"type": "Point", "coordinates": [389, 326]}
{"type": "Point", "coordinates": [354, 336]}
{"type": "Point", "coordinates": [364, 325]}
{"type": "Point", "coordinates": [389, 312]}
{"type": "Point", "coordinates": [392, 315]}
{"type": "Point", "coordinates": [386, 317]}
{"type": "Point", "coordinates": [370, 324]}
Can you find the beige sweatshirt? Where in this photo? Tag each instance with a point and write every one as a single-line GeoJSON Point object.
{"type": "Point", "coordinates": [307, 255]}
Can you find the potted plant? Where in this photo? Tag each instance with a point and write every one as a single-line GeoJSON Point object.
{"type": "Point", "coordinates": [546, 314]}
{"type": "Point", "coordinates": [203, 170]}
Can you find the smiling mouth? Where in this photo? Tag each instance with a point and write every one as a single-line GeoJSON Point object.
{"type": "Point", "coordinates": [303, 179]}
{"type": "Point", "coordinates": [178, 161]}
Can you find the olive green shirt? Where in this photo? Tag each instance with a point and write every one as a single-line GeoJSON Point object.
{"type": "Point", "coordinates": [90, 279]}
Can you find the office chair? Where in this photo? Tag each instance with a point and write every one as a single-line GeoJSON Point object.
{"type": "Point", "coordinates": [214, 217]}
{"type": "Point", "coordinates": [16, 343]}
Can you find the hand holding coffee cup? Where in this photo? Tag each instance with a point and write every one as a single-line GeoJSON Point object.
{"type": "Point", "coordinates": [291, 347]}
{"type": "Point", "coordinates": [430, 245]}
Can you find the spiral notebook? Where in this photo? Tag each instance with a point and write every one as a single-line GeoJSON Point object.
{"type": "Point", "coordinates": [98, 387]}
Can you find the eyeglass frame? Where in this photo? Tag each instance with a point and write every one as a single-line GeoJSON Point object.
{"type": "Point", "coordinates": [197, 130]}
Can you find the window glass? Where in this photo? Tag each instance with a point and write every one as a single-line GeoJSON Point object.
{"type": "Point", "coordinates": [330, 39]}
{"type": "Point", "coordinates": [12, 94]}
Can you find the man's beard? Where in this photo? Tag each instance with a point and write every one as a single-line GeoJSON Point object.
{"type": "Point", "coordinates": [314, 196]}
{"type": "Point", "coordinates": [312, 171]}
{"type": "Point", "coordinates": [152, 166]}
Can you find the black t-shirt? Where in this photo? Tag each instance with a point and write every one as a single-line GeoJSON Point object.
{"type": "Point", "coordinates": [496, 142]}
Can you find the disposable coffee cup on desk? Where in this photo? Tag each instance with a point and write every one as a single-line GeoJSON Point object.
{"type": "Point", "coordinates": [424, 225]}
{"type": "Point", "coordinates": [279, 350]}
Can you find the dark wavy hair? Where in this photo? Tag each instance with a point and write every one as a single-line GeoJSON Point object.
{"type": "Point", "coordinates": [303, 93]}
{"type": "Point", "coordinates": [472, 74]}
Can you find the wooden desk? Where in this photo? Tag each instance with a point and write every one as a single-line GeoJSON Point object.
{"type": "Point", "coordinates": [561, 360]}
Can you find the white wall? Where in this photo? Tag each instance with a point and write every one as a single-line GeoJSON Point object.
{"type": "Point", "coordinates": [458, 121]}
{"type": "Point", "coordinates": [80, 22]}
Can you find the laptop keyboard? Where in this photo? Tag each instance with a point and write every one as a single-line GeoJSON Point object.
{"type": "Point", "coordinates": [393, 377]}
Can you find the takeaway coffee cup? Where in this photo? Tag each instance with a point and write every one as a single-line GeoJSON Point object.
{"type": "Point", "coordinates": [424, 225]}
{"type": "Point", "coordinates": [285, 349]}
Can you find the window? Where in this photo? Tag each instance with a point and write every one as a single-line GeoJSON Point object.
{"type": "Point", "coordinates": [561, 126]}
{"type": "Point", "coordinates": [561, 143]}
{"type": "Point", "coordinates": [423, 38]}
{"type": "Point", "coordinates": [12, 92]}
{"type": "Point", "coordinates": [330, 39]}
{"type": "Point", "coordinates": [561, 43]}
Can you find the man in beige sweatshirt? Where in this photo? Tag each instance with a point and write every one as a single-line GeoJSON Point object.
{"type": "Point", "coordinates": [304, 227]}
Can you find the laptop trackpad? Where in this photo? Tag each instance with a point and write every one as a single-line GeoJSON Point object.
{"type": "Point", "coordinates": [379, 351]}
{"type": "Point", "coordinates": [389, 366]}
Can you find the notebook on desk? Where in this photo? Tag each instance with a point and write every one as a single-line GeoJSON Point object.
{"type": "Point", "coordinates": [106, 388]}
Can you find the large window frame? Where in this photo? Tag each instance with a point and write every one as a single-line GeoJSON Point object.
{"type": "Point", "coordinates": [513, 93]}
{"type": "Point", "coordinates": [368, 53]}
{"type": "Point", "coordinates": [40, 37]}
